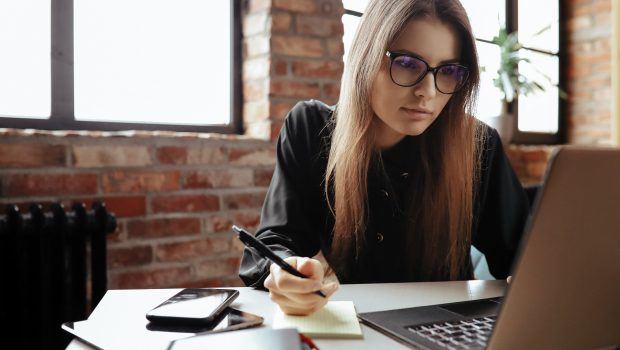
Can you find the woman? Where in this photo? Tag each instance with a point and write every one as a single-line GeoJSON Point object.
{"type": "Point", "coordinates": [397, 181]}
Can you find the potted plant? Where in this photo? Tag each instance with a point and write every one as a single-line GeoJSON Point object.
{"type": "Point", "coordinates": [510, 81]}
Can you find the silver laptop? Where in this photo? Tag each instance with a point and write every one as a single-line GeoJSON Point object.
{"type": "Point", "coordinates": [565, 291]}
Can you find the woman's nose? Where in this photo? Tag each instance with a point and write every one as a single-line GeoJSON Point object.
{"type": "Point", "coordinates": [426, 87]}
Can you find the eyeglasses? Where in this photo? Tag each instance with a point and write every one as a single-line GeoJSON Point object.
{"type": "Point", "coordinates": [407, 70]}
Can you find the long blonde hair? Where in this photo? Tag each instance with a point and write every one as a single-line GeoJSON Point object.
{"type": "Point", "coordinates": [439, 231]}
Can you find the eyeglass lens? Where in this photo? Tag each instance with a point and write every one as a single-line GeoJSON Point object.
{"type": "Point", "coordinates": [408, 71]}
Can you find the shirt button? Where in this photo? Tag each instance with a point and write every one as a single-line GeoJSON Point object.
{"type": "Point", "coordinates": [379, 237]}
{"type": "Point", "coordinates": [385, 193]}
{"type": "Point", "coordinates": [404, 175]}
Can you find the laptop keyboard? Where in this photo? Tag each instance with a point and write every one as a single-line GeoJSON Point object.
{"type": "Point", "coordinates": [465, 334]}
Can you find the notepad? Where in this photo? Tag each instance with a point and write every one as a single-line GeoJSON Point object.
{"type": "Point", "coordinates": [337, 319]}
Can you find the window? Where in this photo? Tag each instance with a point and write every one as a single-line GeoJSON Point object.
{"type": "Point", "coordinates": [120, 64]}
{"type": "Point", "coordinates": [538, 115]}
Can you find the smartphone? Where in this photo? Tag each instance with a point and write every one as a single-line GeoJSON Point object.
{"type": "Point", "coordinates": [193, 306]}
{"type": "Point", "coordinates": [228, 320]}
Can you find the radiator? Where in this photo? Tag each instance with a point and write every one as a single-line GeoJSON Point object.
{"type": "Point", "coordinates": [53, 270]}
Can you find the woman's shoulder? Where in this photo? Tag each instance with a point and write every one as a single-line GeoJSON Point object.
{"type": "Point", "coordinates": [309, 115]}
{"type": "Point", "coordinates": [490, 137]}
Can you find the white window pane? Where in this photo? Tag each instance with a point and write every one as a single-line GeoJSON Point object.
{"type": "Point", "coordinates": [350, 24]}
{"type": "Point", "coordinates": [538, 112]}
{"type": "Point", "coordinates": [355, 5]}
{"type": "Point", "coordinates": [485, 20]}
{"type": "Point", "coordinates": [489, 98]}
{"type": "Point", "coordinates": [25, 73]}
{"type": "Point", "coordinates": [155, 61]}
{"type": "Point", "coordinates": [538, 24]}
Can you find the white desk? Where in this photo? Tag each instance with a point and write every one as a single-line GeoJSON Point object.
{"type": "Point", "coordinates": [127, 307]}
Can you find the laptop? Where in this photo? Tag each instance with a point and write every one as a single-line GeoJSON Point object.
{"type": "Point", "coordinates": [565, 290]}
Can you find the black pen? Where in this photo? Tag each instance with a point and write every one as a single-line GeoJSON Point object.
{"type": "Point", "coordinates": [249, 240]}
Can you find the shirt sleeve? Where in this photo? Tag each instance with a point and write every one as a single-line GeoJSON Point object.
{"type": "Point", "coordinates": [503, 209]}
{"type": "Point", "coordinates": [288, 218]}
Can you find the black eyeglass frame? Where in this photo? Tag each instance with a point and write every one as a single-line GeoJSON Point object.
{"type": "Point", "coordinates": [392, 55]}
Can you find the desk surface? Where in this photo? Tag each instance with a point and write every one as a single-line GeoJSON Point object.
{"type": "Point", "coordinates": [127, 307]}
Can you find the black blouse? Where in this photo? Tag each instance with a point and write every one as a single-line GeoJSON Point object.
{"type": "Point", "coordinates": [296, 221]}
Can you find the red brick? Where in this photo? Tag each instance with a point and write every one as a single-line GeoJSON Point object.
{"type": "Point", "coordinates": [96, 156]}
{"type": "Point", "coordinates": [49, 184]}
{"type": "Point", "coordinates": [318, 69]}
{"type": "Point", "coordinates": [262, 177]}
{"type": "Point", "coordinates": [248, 219]}
{"type": "Point", "coordinates": [181, 251]}
{"type": "Point", "coordinates": [237, 246]}
{"type": "Point", "coordinates": [217, 267]}
{"type": "Point", "coordinates": [168, 227]}
{"type": "Point", "coordinates": [161, 278]}
{"type": "Point", "coordinates": [305, 6]}
{"type": "Point", "coordinates": [318, 26]}
{"type": "Point", "coordinates": [218, 223]}
{"type": "Point", "coordinates": [185, 203]}
{"type": "Point", "coordinates": [536, 155]}
{"type": "Point", "coordinates": [172, 155]}
{"type": "Point", "coordinates": [131, 256]}
{"type": "Point", "coordinates": [275, 127]}
{"type": "Point", "coordinates": [220, 178]}
{"type": "Point", "coordinates": [536, 169]}
{"type": "Point", "coordinates": [288, 88]}
{"type": "Point", "coordinates": [279, 110]}
{"type": "Point", "coordinates": [254, 156]}
{"type": "Point", "coordinates": [296, 46]}
{"type": "Point", "coordinates": [280, 68]}
{"type": "Point", "coordinates": [207, 154]}
{"type": "Point", "coordinates": [31, 155]}
{"type": "Point", "coordinates": [126, 206]}
{"type": "Point", "coordinates": [335, 48]}
{"type": "Point", "coordinates": [280, 22]}
{"type": "Point", "coordinates": [331, 90]}
{"type": "Point", "coordinates": [141, 181]}
{"type": "Point", "coordinates": [244, 200]}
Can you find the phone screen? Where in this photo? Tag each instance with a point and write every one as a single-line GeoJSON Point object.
{"type": "Point", "coordinates": [193, 304]}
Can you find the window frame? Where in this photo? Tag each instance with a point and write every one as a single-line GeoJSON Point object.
{"type": "Point", "coordinates": [523, 137]}
{"type": "Point", "coordinates": [62, 115]}
{"type": "Point", "coordinates": [528, 137]}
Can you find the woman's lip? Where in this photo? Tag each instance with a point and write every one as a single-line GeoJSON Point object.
{"type": "Point", "coordinates": [416, 110]}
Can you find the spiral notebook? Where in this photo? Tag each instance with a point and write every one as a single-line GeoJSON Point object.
{"type": "Point", "coordinates": [337, 319]}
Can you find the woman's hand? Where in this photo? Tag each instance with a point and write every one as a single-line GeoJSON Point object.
{"type": "Point", "coordinates": [295, 295]}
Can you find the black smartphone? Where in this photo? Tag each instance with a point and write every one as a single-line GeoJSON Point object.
{"type": "Point", "coordinates": [193, 306]}
{"type": "Point", "coordinates": [228, 320]}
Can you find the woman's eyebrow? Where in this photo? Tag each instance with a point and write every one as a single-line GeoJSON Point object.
{"type": "Point", "coordinates": [408, 52]}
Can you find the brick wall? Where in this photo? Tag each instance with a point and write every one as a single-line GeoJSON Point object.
{"type": "Point", "coordinates": [588, 33]}
{"type": "Point", "coordinates": [293, 52]}
{"type": "Point", "coordinates": [176, 194]}
{"type": "Point", "coordinates": [587, 39]}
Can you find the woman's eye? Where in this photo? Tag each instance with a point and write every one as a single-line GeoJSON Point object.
{"type": "Point", "coordinates": [448, 70]}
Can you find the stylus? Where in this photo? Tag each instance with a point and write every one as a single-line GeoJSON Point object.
{"type": "Point", "coordinates": [249, 240]}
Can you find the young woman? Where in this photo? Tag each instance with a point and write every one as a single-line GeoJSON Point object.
{"type": "Point", "coordinates": [398, 180]}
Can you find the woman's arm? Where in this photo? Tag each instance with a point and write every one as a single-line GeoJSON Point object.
{"type": "Point", "coordinates": [503, 209]}
{"type": "Point", "coordinates": [289, 218]}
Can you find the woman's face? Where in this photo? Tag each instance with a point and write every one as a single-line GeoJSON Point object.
{"type": "Point", "coordinates": [411, 110]}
